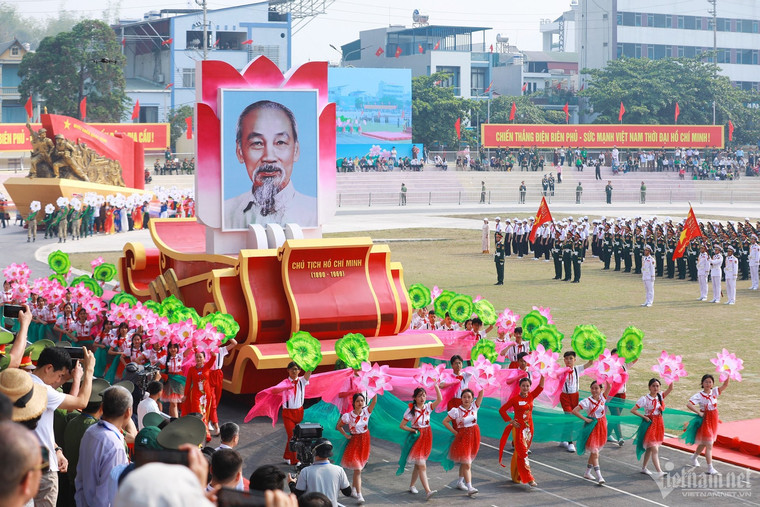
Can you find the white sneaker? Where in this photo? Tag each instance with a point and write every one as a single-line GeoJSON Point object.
{"type": "Point", "coordinates": [659, 475]}
{"type": "Point", "coordinates": [432, 492]}
{"type": "Point", "coordinates": [472, 491]}
{"type": "Point", "coordinates": [589, 474]}
{"type": "Point", "coordinates": [563, 444]}
{"type": "Point", "coordinates": [716, 301]}
{"type": "Point", "coordinates": [712, 471]}
{"type": "Point", "coordinates": [648, 305]}
{"type": "Point", "coordinates": [611, 439]}
{"type": "Point", "coordinates": [620, 442]}
{"type": "Point", "coordinates": [461, 486]}
{"type": "Point", "coordinates": [354, 494]}
{"type": "Point", "coordinates": [570, 448]}
{"type": "Point", "coordinates": [731, 303]}
{"type": "Point", "coordinates": [645, 471]}
{"type": "Point", "coordinates": [360, 499]}
{"type": "Point", "coordinates": [413, 490]}
{"type": "Point", "coordinates": [694, 461]}
{"type": "Point", "coordinates": [601, 479]}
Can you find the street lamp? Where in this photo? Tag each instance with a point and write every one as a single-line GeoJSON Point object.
{"type": "Point", "coordinates": [343, 56]}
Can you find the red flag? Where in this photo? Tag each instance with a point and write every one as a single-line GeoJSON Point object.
{"type": "Point", "coordinates": [167, 42]}
{"type": "Point", "coordinates": [582, 87]}
{"type": "Point", "coordinates": [29, 108]}
{"type": "Point", "coordinates": [512, 112]}
{"type": "Point", "coordinates": [398, 51]}
{"type": "Point", "coordinates": [690, 231]}
{"type": "Point", "coordinates": [249, 41]}
{"type": "Point", "coordinates": [543, 215]}
{"type": "Point", "coordinates": [123, 41]}
{"type": "Point", "coordinates": [189, 122]}
{"type": "Point", "coordinates": [566, 109]}
{"type": "Point", "coordinates": [730, 131]}
{"type": "Point", "coordinates": [379, 52]}
{"type": "Point", "coordinates": [437, 83]}
{"type": "Point", "coordinates": [491, 48]}
{"type": "Point", "coordinates": [437, 45]}
{"type": "Point", "coordinates": [136, 110]}
{"type": "Point", "coordinates": [168, 86]}
{"type": "Point", "coordinates": [525, 87]}
{"type": "Point", "coordinates": [622, 111]}
{"type": "Point", "coordinates": [83, 108]}
{"type": "Point", "coordinates": [678, 111]}
{"type": "Point", "coordinates": [559, 85]}
{"type": "Point", "coordinates": [489, 87]}
{"type": "Point", "coordinates": [419, 48]}
{"type": "Point", "coordinates": [216, 43]}
{"type": "Point", "coordinates": [457, 126]}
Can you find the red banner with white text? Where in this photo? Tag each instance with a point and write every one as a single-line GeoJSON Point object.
{"type": "Point", "coordinates": [153, 136]}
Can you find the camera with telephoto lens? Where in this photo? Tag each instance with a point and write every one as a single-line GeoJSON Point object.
{"type": "Point", "coordinates": [305, 436]}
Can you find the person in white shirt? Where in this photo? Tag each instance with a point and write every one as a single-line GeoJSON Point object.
{"type": "Point", "coordinates": [322, 476]}
{"type": "Point", "coordinates": [647, 275]}
{"type": "Point", "coordinates": [731, 271]}
{"type": "Point", "coordinates": [150, 403]}
{"type": "Point", "coordinates": [715, 272]}
{"type": "Point", "coordinates": [754, 262]}
{"type": "Point", "coordinates": [292, 409]}
{"type": "Point", "coordinates": [703, 268]}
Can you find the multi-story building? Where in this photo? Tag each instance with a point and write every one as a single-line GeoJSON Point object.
{"type": "Point", "coordinates": [11, 104]}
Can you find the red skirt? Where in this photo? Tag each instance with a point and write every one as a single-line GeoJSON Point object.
{"type": "Point", "coordinates": [708, 431]}
{"type": "Point", "coordinates": [655, 433]}
{"type": "Point", "coordinates": [598, 436]}
{"type": "Point", "coordinates": [356, 455]}
{"type": "Point", "coordinates": [465, 446]}
{"type": "Point", "coordinates": [421, 448]}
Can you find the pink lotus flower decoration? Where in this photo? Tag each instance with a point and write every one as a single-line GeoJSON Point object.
{"type": "Point", "coordinates": [435, 293]}
{"type": "Point", "coordinates": [119, 313]}
{"type": "Point", "coordinates": [93, 306]}
{"type": "Point", "coordinates": [375, 379]}
{"type": "Point", "coordinates": [507, 321]}
{"type": "Point", "coordinates": [55, 293]}
{"type": "Point", "coordinates": [40, 286]}
{"type": "Point", "coordinates": [11, 272]}
{"type": "Point", "coordinates": [97, 262]}
{"type": "Point", "coordinates": [484, 372]}
{"type": "Point", "coordinates": [21, 292]}
{"type": "Point", "coordinates": [608, 368]}
{"type": "Point", "coordinates": [546, 312]}
{"type": "Point", "coordinates": [477, 298]}
{"type": "Point", "coordinates": [163, 333]}
{"type": "Point", "coordinates": [140, 316]}
{"type": "Point", "coordinates": [669, 367]}
{"type": "Point", "coordinates": [728, 366]}
{"type": "Point", "coordinates": [429, 375]}
{"type": "Point", "coordinates": [543, 362]}
{"type": "Point", "coordinates": [375, 151]}
{"type": "Point", "coordinates": [185, 331]}
{"type": "Point", "coordinates": [81, 293]}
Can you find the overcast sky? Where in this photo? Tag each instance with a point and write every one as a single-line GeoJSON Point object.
{"type": "Point", "coordinates": [518, 20]}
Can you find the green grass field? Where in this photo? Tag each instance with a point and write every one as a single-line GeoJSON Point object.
{"type": "Point", "coordinates": [678, 323]}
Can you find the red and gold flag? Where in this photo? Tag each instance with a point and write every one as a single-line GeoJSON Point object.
{"type": "Point", "coordinates": [543, 215]}
{"type": "Point", "coordinates": [690, 231]}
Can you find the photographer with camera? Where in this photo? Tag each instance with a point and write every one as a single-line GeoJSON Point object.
{"type": "Point", "coordinates": [24, 316]}
{"type": "Point", "coordinates": [322, 476]}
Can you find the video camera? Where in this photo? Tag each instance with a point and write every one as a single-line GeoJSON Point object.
{"type": "Point", "coordinates": [305, 436]}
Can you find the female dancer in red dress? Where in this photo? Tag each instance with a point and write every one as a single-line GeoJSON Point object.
{"type": "Point", "coordinates": [199, 389]}
{"type": "Point", "coordinates": [417, 420]}
{"type": "Point", "coordinates": [522, 430]}
{"type": "Point", "coordinates": [356, 455]}
{"type": "Point", "coordinates": [108, 223]}
{"type": "Point", "coordinates": [653, 405]}
{"type": "Point", "coordinates": [595, 409]}
{"type": "Point", "coordinates": [174, 388]}
{"type": "Point", "coordinates": [466, 442]}
{"type": "Point", "coordinates": [705, 405]}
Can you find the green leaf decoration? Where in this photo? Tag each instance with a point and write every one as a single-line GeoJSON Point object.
{"type": "Point", "coordinates": [151, 305]}
{"type": "Point", "coordinates": [547, 335]}
{"type": "Point", "coordinates": [419, 295]}
{"type": "Point", "coordinates": [486, 312]}
{"type": "Point", "coordinates": [484, 348]}
{"type": "Point", "coordinates": [88, 282]}
{"type": "Point", "coordinates": [305, 350]}
{"type": "Point", "coordinates": [353, 350]}
{"type": "Point", "coordinates": [630, 344]}
{"type": "Point", "coordinates": [531, 321]}
{"type": "Point", "coordinates": [169, 306]}
{"type": "Point", "coordinates": [122, 297]}
{"type": "Point", "coordinates": [225, 324]}
{"type": "Point", "coordinates": [104, 272]}
{"type": "Point", "coordinates": [588, 342]}
{"type": "Point", "coordinates": [59, 262]}
{"type": "Point", "coordinates": [442, 302]}
{"type": "Point", "coordinates": [60, 278]}
{"type": "Point", "coordinates": [460, 308]}
{"type": "Point", "coordinates": [182, 313]}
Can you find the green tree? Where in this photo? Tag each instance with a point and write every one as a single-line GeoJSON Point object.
{"type": "Point", "coordinates": [177, 123]}
{"type": "Point", "coordinates": [435, 109]}
{"type": "Point", "coordinates": [649, 90]}
{"type": "Point", "coordinates": [86, 61]}
{"type": "Point", "coordinates": [27, 29]}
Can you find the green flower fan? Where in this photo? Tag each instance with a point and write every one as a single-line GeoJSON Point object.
{"type": "Point", "coordinates": [353, 350]}
{"type": "Point", "coordinates": [104, 272]}
{"type": "Point", "coordinates": [419, 295]}
{"type": "Point", "coordinates": [461, 308]}
{"type": "Point", "coordinates": [88, 282]}
{"type": "Point", "coordinates": [225, 324]}
{"type": "Point", "coordinates": [630, 344]}
{"type": "Point", "coordinates": [588, 342]}
{"type": "Point", "coordinates": [169, 306]}
{"type": "Point", "coordinates": [486, 312]}
{"type": "Point", "coordinates": [441, 303]}
{"type": "Point", "coordinates": [151, 305]}
{"type": "Point", "coordinates": [531, 321]}
{"type": "Point", "coordinates": [122, 297]}
{"type": "Point", "coordinates": [182, 313]}
{"type": "Point", "coordinates": [305, 350]}
{"type": "Point", "coordinates": [59, 262]}
{"type": "Point", "coordinates": [547, 335]}
{"type": "Point", "coordinates": [484, 348]}
{"type": "Point", "coordinates": [59, 278]}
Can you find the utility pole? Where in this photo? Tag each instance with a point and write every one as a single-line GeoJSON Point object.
{"type": "Point", "coordinates": [714, 13]}
{"type": "Point", "coordinates": [202, 3]}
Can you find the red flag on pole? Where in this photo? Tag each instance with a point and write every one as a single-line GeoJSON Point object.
{"type": "Point", "coordinates": [678, 111]}
{"type": "Point", "coordinates": [419, 48]}
{"type": "Point", "coordinates": [489, 87]}
{"type": "Point", "coordinates": [398, 51]}
{"type": "Point", "coordinates": [216, 43]}
{"type": "Point", "coordinates": [249, 41]}
{"type": "Point", "coordinates": [136, 110]}
{"type": "Point", "coordinates": [566, 109]}
{"type": "Point", "coordinates": [491, 48]}
{"type": "Point", "coordinates": [512, 112]}
{"type": "Point", "coordinates": [437, 45]}
{"type": "Point", "coordinates": [622, 111]}
{"type": "Point", "coordinates": [379, 52]}
{"type": "Point", "coordinates": [543, 215]}
{"type": "Point", "coordinates": [457, 126]}
{"type": "Point", "coordinates": [29, 108]}
{"type": "Point", "coordinates": [167, 41]}
{"type": "Point", "coordinates": [168, 86]}
{"type": "Point", "coordinates": [690, 231]}
{"type": "Point", "coordinates": [123, 41]}
{"type": "Point", "coordinates": [83, 108]}
{"type": "Point", "coordinates": [524, 87]}
{"type": "Point", "coordinates": [730, 131]}
{"type": "Point", "coordinates": [189, 122]}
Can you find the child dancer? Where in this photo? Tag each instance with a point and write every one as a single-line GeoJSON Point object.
{"type": "Point", "coordinates": [466, 442]}
{"type": "Point", "coordinates": [356, 455]}
{"type": "Point", "coordinates": [568, 398]}
{"type": "Point", "coordinates": [513, 350]}
{"type": "Point", "coordinates": [594, 406]}
{"type": "Point", "coordinates": [522, 430]}
{"type": "Point", "coordinates": [417, 420]}
{"type": "Point", "coordinates": [462, 378]}
{"type": "Point", "coordinates": [653, 405]}
{"type": "Point", "coordinates": [174, 388]}
{"type": "Point", "coordinates": [705, 405]}
{"type": "Point", "coordinates": [292, 409]}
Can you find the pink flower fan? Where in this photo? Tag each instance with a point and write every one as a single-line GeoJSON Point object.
{"type": "Point", "coordinates": [484, 372]}
{"type": "Point", "coordinates": [507, 321]}
{"type": "Point", "coordinates": [163, 333]}
{"type": "Point", "coordinates": [543, 362]}
{"type": "Point", "coordinates": [477, 298]}
{"type": "Point", "coordinates": [40, 286]}
{"type": "Point", "coordinates": [140, 315]}
{"type": "Point", "coordinates": [56, 293]}
{"type": "Point", "coordinates": [375, 379]}
{"type": "Point", "coordinates": [728, 366]}
{"type": "Point", "coordinates": [608, 368]}
{"type": "Point", "coordinates": [80, 293]}
{"type": "Point", "coordinates": [97, 262]}
{"type": "Point", "coordinates": [546, 312]}
{"type": "Point", "coordinates": [24, 272]}
{"type": "Point", "coordinates": [429, 375]}
{"type": "Point", "coordinates": [185, 331]}
{"type": "Point", "coordinates": [11, 272]}
{"type": "Point", "coordinates": [669, 367]}
{"type": "Point", "coordinates": [435, 292]}
{"type": "Point", "coordinates": [93, 306]}
{"type": "Point", "coordinates": [119, 313]}
{"type": "Point", "coordinates": [21, 292]}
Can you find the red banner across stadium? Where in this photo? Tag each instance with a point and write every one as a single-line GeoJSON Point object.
{"type": "Point", "coordinates": [153, 136]}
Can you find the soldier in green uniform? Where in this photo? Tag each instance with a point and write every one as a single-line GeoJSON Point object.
{"type": "Point", "coordinates": [498, 259]}
{"type": "Point", "coordinates": [616, 250]}
{"type": "Point", "coordinates": [557, 257]}
{"type": "Point", "coordinates": [31, 221]}
{"type": "Point", "coordinates": [87, 221]}
{"type": "Point", "coordinates": [670, 250]}
{"type": "Point", "coordinates": [49, 222]}
{"type": "Point", "coordinates": [76, 220]}
{"type": "Point", "coordinates": [607, 250]}
{"type": "Point", "coordinates": [742, 253]}
{"type": "Point", "coordinates": [659, 257]}
{"type": "Point", "coordinates": [63, 223]}
{"type": "Point", "coordinates": [681, 266]}
{"type": "Point", "coordinates": [578, 193]}
{"type": "Point", "coordinates": [636, 247]}
{"type": "Point", "coordinates": [692, 253]}
{"type": "Point", "coordinates": [577, 257]}
{"type": "Point", "coordinates": [567, 258]}
{"type": "Point", "coordinates": [626, 251]}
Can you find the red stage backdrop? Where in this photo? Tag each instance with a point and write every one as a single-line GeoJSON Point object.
{"type": "Point", "coordinates": [153, 136]}
{"type": "Point", "coordinates": [602, 136]}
